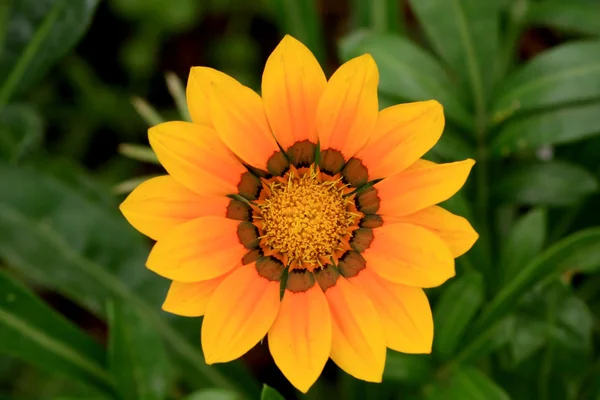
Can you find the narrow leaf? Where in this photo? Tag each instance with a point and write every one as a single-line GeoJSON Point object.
{"type": "Point", "coordinates": [212, 394]}
{"type": "Point", "coordinates": [468, 383]}
{"type": "Point", "coordinates": [380, 16]}
{"type": "Point", "coordinates": [465, 35]}
{"type": "Point", "coordinates": [569, 16]}
{"type": "Point", "coordinates": [300, 19]}
{"type": "Point", "coordinates": [564, 74]}
{"type": "Point", "coordinates": [137, 357]}
{"type": "Point", "coordinates": [551, 127]}
{"type": "Point", "coordinates": [138, 152]}
{"type": "Point", "coordinates": [407, 368]}
{"type": "Point", "coordinates": [552, 183]}
{"type": "Point", "coordinates": [454, 310]}
{"type": "Point", "coordinates": [579, 250]}
{"type": "Point", "coordinates": [21, 131]}
{"type": "Point", "coordinates": [32, 331]}
{"type": "Point", "coordinates": [37, 35]}
{"type": "Point", "coordinates": [268, 393]}
{"type": "Point", "coordinates": [524, 242]}
{"type": "Point", "coordinates": [407, 72]}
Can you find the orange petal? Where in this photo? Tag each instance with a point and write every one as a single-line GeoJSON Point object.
{"type": "Point", "coordinates": [238, 315]}
{"type": "Point", "coordinates": [198, 92]}
{"type": "Point", "coordinates": [410, 255]}
{"type": "Point", "coordinates": [292, 84]}
{"type": "Point", "coordinates": [160, 204]}
{"type": "Point", "coordinates": [422, 185]}
{"type": "Point", "coordinates": [403, 134]}
{"type": "Point", "coordinates": [240, 120]}
{"type": "Point", "coordinates": [189, 299]}
{"type": "Point", "coordinates": [358, 343]}
{"type": "Point", "coordinates": [300, 338]}
{"type": "Point", "coordinates": [348, 109]}
{"type": "Point", "coordinates": [456, 231]}
{"type": "Point", "coordinates": [404, 312]}
{"type": "Point", "coordinates": [196, 158]}
{"type": "Point", "coordinates": [198, 250]}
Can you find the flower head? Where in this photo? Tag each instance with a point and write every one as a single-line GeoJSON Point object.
{"type": "Point", "coordinates": [311, 190]}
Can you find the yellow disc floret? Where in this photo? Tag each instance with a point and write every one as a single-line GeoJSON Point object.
{"type": "Point", "coordinates": [305, 216]}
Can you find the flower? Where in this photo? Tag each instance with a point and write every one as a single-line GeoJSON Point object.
{"type": "Point", "coordinates": [306, 215]}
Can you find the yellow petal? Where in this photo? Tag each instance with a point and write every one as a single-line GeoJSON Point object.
{"type": "Point", "coordinates": [292, 84]}
{"type": "Point", "coordinates": [402, 135]}
{"type": "Point", "coordinates": [160, 204]}
{"type": "Point", "coordinates": [240, 120]}
{"type": "Point", "coordinates": [404, 312]}
{"type": "Point", "coordinates": [348, 108]}
{"type": "Point", "coordinates": [409, 255]}
{"type": "Point", "coordinates": [420, 186]}
{"type": "Point", "coordinates": [238, 315]}
{"type": "Point", "coordinates": [195, 157]}
{"type": "Point", "coordinates": [300, 338]}
{"type": "Point", "coordinates": [198, 92]}
{"type": "Point", "coordinates": [358, 343]}
{"type": "Point", "coordinates": [456, 231]}
{"type": "Point", "coordinates": [189, 299]}
{"type": "Point", "coordinates": [198, 250]}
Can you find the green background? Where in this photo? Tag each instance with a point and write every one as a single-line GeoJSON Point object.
{"type": "Point", "coordinates": [80, 82]}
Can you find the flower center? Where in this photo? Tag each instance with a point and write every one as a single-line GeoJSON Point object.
{"type": "Point", "coordinates": [306, 216]}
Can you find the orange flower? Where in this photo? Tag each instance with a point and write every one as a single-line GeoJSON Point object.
{"type": "Point", "coordinates": [305, 215]}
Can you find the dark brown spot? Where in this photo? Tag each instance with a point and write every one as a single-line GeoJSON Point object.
{"type": "Point", "coordinates": [351, 264]}
{"type": "Point", "coordinates": [371, 221]}
{"type": "Point", "coordinates": [302, 154]}
{"type": "Point", "coordinates": [332, 161]}
{"type": "Point", "coordinates": [361, 239]}
{"type": "Point", "coordinates": [270, 268]}
{"type": "Point", "coordinates": [367, 201]}
{"type": "Point", "coordinates": [300, 280]}
{"type": "Point", "coordinates": [248, 235]}
{"type": "Point", "coordinates": [355, 173]}
{"type": "Point", "coordinates": [238, 210]}
{"type": "Point", "coordinates": [277, 164]}
{"type": "Point", "coordinates": [252, 256]}
{"type": "Point", "coordinates": [249, 186]}
{"type": "Point", "coordinates": [327, 276]}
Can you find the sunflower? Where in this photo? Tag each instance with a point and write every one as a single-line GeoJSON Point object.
{"type": "Point", "coordinates": [306, 216]}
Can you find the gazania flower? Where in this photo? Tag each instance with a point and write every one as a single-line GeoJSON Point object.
{"type": "Point", "coordinates": [306, 216]}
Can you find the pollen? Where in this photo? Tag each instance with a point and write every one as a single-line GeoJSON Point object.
{"type": "Point", "coordinates": [306, 217]}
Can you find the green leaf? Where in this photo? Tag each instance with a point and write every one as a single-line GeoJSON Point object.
{"type": "Point", "coordinates": [138, 152]}
{"type": "Point", "coordinates": [39, 32]}
{"type": "Point", "coordinates": [380, 16]}
{"type": "Point", "coordinates": [467, 383]}
{"type": "Point", "coordinates": [86, 251]}
{"type": "Point", "coordinates": [32, 331]}
{"type": "Point", "coordinates": [464, 33]}
{"type": "Point", "coordinates": [455, 308]}
{"type": "Point", "coordinates": [407, 72]}
{"type": "Point", "coordinates": [21, 131]}
{"type": "Point", "coordinates": [136, 354]}
{"type": "Point", "coordinates": [300, 19]}
{"type": "Point", "coordinates": [551, 127]}
{"type": "Point", "coordinates": [576, 251]}
{"type": "Point", "coordinates": [564, 74]}
{"type": "Point", "coordinates": [212, 394]}
{"type": "Point", "coordinates": [569, 16]}
{"type": "Point", "coordinates": [452, 146]}
{"type": "Point", "coordinates": [482, 345]}
{"type": "Point", "coordinates": [524, 242]}
{"type": "Point", "coordinates": [407, 368]}
{"type": "Point", "coordinates": [552, 183]}
{"type": "Point", "coordinates": [268, 393]}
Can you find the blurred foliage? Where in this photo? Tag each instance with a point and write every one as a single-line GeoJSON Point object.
{"type": "Point", "coordinates": [80, 80]}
